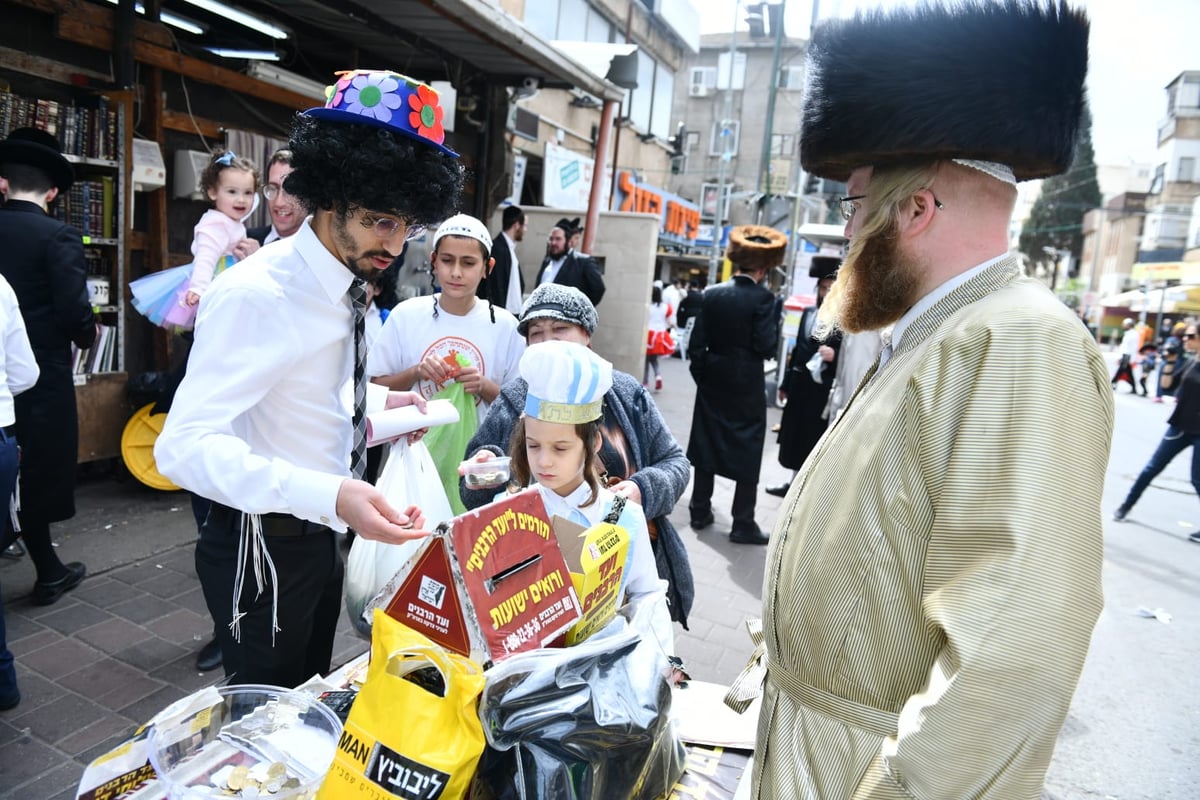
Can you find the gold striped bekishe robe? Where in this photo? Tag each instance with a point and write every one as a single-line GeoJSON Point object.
{"type": "Point", "coordinates": [934, 574]}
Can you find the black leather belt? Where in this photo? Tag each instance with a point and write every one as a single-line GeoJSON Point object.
{"type": "Point", "coordinates": [272, 524]}
{"type": "Point", "coordinates": [287, 525]}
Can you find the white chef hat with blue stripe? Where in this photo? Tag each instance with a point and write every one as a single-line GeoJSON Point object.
{"type": "Point", "coordinates": [567, 382]}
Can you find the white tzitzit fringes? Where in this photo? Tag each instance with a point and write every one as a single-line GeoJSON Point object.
{"type": "Point", "coordinates": [252, 543]}
{"type": "Point", "coordinates": [14, 505]}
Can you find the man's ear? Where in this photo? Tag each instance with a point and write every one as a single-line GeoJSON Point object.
{"type": "Point", "coordinates": [50, 195]}
{"type": "Point", "coordinates": [917, 214]}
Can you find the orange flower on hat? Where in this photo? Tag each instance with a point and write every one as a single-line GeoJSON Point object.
{"type": "Point", "coordinates": [426, 114]}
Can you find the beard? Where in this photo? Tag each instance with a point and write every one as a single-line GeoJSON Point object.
{"type": "Point", "coordinates": [357, 262]}
{"type": "Point", "coordinates": [875, 286]}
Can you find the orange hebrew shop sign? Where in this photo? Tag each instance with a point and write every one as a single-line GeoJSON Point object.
{"type": "Point", "coordinates": [679, 220]}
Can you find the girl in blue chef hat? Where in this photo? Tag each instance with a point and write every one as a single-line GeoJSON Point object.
{"type": "Point", "coordinates": [556, 445]}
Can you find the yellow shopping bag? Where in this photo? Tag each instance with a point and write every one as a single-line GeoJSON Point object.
{"type": "Point", "coordinates": [414, 730]}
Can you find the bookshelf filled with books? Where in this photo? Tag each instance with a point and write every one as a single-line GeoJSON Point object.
{"type": "Point", "coordinates": [92, 131]}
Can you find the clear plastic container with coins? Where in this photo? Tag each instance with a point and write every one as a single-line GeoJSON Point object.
{"type": "Point", "coordinates": [243, 741]}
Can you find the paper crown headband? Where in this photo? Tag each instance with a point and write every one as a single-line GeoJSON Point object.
{"type": "Point", "coordinates": [388, 100]}
{"type": "Point", "coordinates": [996, 82]}
{"type": "Point", "coordinates": [567, 382]}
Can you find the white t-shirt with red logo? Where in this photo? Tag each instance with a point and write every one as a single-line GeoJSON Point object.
{"type": "Point", "coordinates": [411, 333]}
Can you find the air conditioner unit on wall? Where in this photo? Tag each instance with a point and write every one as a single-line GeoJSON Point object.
{"type": "Point", "coordinates": [697, 90]}
{"type": "Point", "coordinates": [189, 164]}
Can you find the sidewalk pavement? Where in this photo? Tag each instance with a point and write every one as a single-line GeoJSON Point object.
{"type": "Point", "coordinates": [119, 648]}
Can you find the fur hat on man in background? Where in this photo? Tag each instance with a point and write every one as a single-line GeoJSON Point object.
{"type": "Point", "coordinates": [755, 248]}
{"type": "Point", "coordinates": [823, 267]}
{"type": "Point", "coordinates": [995, 82]}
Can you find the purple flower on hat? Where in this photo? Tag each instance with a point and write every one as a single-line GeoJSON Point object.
{"type": "Point", "coordinates": [373, 95]}
{"type": "Point", "coordinates": [333, 94]}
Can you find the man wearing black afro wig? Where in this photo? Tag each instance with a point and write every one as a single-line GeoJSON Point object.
{"type": "Point", "coordinates": [262, 423]}
{"type": "Point", "coordinates": [935, 569]}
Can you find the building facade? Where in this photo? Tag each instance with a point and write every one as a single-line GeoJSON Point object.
{"type": "Point", "coordinates": [726, 126]}
{"type": "Point", "coordinates": [1176, 181]}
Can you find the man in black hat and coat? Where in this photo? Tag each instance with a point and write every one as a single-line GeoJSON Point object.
{"type": "Point", "coordinates": [803, 419]}
{"type": "Point", "coordinates": [564, 265]}
{"type": "Point", "coordinates": [43, 260]}
{"type": "Point", "coordinates": [734, 333]}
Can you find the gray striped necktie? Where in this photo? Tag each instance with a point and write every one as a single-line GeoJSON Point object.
{"type": "Point", "coordinates": [358, 453]}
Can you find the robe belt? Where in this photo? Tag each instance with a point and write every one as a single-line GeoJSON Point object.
{"type": "Point", "coordinates": [748, 685]}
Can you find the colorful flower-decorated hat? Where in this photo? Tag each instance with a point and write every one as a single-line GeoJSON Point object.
{"type": "Point", "coordinates": [386, 100]}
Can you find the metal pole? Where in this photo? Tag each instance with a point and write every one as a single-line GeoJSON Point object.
{"type": "Point", "coordinates": [599, 165]}
{"type": "Point", "coordinates": [764, 162]}
{"type": "Point", "coordinates": [726, 122]}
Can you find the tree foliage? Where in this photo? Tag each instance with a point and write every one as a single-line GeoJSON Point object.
{"type": "Point", "coordinates": [1056, 219]}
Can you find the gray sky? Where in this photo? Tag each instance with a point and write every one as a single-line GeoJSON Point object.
{"type": "Point", "coordinates": [1136, 48]}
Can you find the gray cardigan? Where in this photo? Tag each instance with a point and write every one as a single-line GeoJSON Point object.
{"type": "Point", "coordinates": [661, 470]}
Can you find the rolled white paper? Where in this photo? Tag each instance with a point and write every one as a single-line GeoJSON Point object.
{"type": "Point", "coordinates": [384, 426]}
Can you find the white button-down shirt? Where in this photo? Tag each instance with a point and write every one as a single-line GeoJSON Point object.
{"type": "Point", "coordinates": [259, 422]}
{"type": "Point", "coordinates": [18, 368]}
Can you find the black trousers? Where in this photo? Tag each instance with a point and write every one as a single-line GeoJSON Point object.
{"type": "Point", "coordinates": [745, 494]}
{"type": "Point", "coordinates": [308, 569]}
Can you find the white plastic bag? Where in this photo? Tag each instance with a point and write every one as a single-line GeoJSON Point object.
{"type": "Point", "coordinates": [409, 478]}
{"type": "Point", "coordinates": [816, 366]}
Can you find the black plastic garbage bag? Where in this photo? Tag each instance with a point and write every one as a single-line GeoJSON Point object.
{"type": "Point", "coordinates": [589, 722]}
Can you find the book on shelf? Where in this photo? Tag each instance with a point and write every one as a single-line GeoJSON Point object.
{"type": "Point", "coordinates": [86, 128]}
{"type": "Point", "coordinates": [100, 357]}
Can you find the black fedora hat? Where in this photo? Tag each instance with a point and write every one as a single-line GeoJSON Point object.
{"type": "Point", "coordinates": [35, 148]}
{"type": "Point", "coordinates": [823, 267]}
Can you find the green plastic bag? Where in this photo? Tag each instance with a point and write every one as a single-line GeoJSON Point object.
{"type": "Point", "coordinates": [448, 443]}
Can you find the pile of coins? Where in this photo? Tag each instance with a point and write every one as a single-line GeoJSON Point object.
{"type": "Point", "coordinates": [492, 478]}
{"type": "Point", "coordinates": [242, 781]}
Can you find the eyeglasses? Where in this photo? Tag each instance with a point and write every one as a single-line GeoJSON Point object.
{"type": "Point", "coordinates": [848, 208]}
{"type": "Point", "coordinates": [386, 227]}
{"type": "Point", "coordinates": [272, 190]}
{"type": "Point", "coordinates": [1191, 335]}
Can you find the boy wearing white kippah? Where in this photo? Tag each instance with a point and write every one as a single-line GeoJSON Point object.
{"type": "Point", "coordinates": [556, 443]}
{"type": "Point", "coordinates": [420, 334]}
{"type": "Point", "coordinates": [425, 341]}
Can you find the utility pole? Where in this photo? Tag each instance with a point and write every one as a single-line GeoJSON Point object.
{"type": "Point", "coordinates": [764, 163]}
{"type": "Point", "coordinates": [714, 261]}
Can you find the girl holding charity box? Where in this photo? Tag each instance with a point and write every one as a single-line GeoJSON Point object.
{"type": "Point", "coordinates": [170, 298]}
{"type": "Point", "coordinates": [556, 442]}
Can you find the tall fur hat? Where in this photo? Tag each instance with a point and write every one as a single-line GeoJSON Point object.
{"type": "Point", "coordinates": [756, 247]}
{"type": "Point", "coordinates": [990, 81]}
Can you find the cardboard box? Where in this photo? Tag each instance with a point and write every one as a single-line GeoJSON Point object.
{"type": "Point", "coordinates": [596, 557]}
{"type": "Point", "coordinates": [489, 583]}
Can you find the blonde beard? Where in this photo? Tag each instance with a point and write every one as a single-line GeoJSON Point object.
{"type": "Point", "coordinates": [875, 286]}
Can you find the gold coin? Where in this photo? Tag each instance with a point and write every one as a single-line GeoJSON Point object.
{"type": "Point", "coordinates": [237, 778]}
{"type": "Point", "coordinates": [277, 770]}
